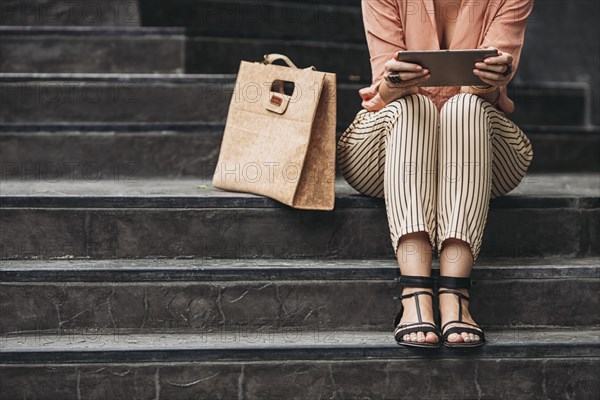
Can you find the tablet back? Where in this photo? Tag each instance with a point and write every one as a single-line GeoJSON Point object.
{"type": "Point", "coordinates": [448, 67]}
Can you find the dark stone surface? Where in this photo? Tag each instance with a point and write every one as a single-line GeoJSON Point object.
{"type": "Point", "coordinates": [153, 218]}
{"type": "Point", "coordinates": [573, 152]}
{"type": "Point", "coordinates": [205, 99]}
{"type": "Point", "coordinates": [349, 61]}
{"type": "Point", "coordinates": [52, 152]}
{"type": "Point", "coordinates": [593, 234]}
{"type": "Point", "coordinates": [527, 379]}
{"type": "Point", "coordinates": [165, 50]}
{"type": "Point", "coordinates": [190, 306]}
{"type": "Point", "coordinates": [229, 233]}
{"type": "Point", "coordinates": [210, 270]}
{"type": "Point", "coordinates": [565, 26]}
{"type": "Point", "coordinates": [107, 189]}
{"type": "Point", "coordinates": [533, 233]}
{"type": "Point", "coordinates": [284, 345]}
{"type": "Point", "coordinates": [266, 233]}
{"type": "Point", "coordinates": [548, 27]}
{"type": "Point", "coordinates": [70, 12]}
{"type": "Point", "coordinates": [113, 51]}
{"type": "Point", "coordinates": [550, 104]}
{"type": "Point", "coordinates": [117, 99]}
{"type": "Point", "coordinates": [285, 20]}
{"type": "Point", "coordinates": [130, 156]}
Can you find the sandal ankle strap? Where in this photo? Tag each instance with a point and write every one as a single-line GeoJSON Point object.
{"type": "Point", "coordinates": [416, 281]}
{"type": "Point", "coordinates": [450, 291]}
{"type": "Point", "coordinates": [452, 282]}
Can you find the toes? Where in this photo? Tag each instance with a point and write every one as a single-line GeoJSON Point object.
{"type": "Point", "coordinates": [455, 338]}
{"type": "Point", "coordinates": [420, 337]}
{"type": "Point", "coordinates": [406, 337]}
{"type": "Point", "coordinates": [413, 337]}
{"type": "Point", "coordinates": [431, 338]}
{"type": "Point", "coordinates": [465, 336]}
{"type": "Point", "coordinates": [477, 338]}
{"type": "Point", "coordinates": [472, 337]}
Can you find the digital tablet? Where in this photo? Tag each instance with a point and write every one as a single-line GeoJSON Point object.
{"type": "Point", "coordinates": [448, 67]}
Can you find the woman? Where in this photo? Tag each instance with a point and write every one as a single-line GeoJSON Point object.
{"type": "Point", "coordinates": [437, 154]}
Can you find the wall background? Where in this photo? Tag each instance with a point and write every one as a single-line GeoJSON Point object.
{"type": "Point", "coordinates": [562, 44]}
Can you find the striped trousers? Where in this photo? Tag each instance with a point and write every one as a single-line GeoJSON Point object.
{"type": "Point", "coordinates": [436, 170]}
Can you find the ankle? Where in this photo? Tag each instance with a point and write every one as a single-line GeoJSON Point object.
{"type": "Point", "coordinates": [409, 290]}
{"type": "Point", "coordinates": [462, 291]}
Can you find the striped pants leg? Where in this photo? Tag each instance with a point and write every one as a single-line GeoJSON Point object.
{"type": "Point", "coordinates": [436, 171]}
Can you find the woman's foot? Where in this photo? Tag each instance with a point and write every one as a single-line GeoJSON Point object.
{"type": "Point", "coordinates": [449, 311]}
{"type": "Point", "coordinates": [410, 316]}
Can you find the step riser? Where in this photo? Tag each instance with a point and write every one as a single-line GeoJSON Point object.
{"type": "Point", "coordinates": [70, 13]}
{"type": "Point", "coordinates": [118, 53]}
{"type": "Point", "coordinates": [454, 379]}
{"type": "Point", "coordinates": [135, 55]}
{"type": "Point", "coordinates": [258, 19]}
{"type": "Point", "coordinates": [311, 21]}
{"type": "Point", "coordinates": [271, 306]}
{"type": "Point", "coordinates": [208, 101]}
{"type": "Point", "coordinates": [273, 233]}
{"type": "Point", "coordinates": [88, 157]}
{"type": "Point", "coordinates": [58, 156]}
{"type": "Point", "coordinates": [109, 54]}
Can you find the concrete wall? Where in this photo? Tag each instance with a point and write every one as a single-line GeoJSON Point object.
{"type": "Point", "coordinates": [562, 44]}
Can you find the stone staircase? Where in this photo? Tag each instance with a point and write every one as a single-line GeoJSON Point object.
{"type": "Point", "coordinates": [126, 275]}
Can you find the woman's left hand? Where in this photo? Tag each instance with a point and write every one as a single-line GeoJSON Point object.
{"type": "Point", "coordinates": [493, 70]}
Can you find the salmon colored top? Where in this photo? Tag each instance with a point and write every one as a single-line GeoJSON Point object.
{"type": "Point", "coordinates": [393, 25]}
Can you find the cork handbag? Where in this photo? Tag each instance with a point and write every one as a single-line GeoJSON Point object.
{"type": "Point", "coordinates": [279, 138]}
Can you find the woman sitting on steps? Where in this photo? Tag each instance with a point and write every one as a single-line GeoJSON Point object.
{"type": "Point", "coordinates": [437, 154]}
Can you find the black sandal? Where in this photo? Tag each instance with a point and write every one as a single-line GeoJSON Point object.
{"type": "Point", "coordinates": [459, 283]}
{"type": "Point", "coordinates": [412, 327]}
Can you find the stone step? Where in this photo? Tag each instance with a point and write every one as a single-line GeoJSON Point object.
{"type": "Point", "coordinates": [164, 50]}
{"type": "Point", "coordinates": [240, 15]}
{"type": "Point", "coordinates": [120, 217]}
{"type": "Point", "coordinates": [70, 12]}
{"type": "Point", "coordinates": [550, 364]}
{"type": "Point", "coordinates": [266, 19]}
{"type": "Point", "coordinates": [106, 49]}
{"type": "Point", "coordinates": [112, 98]}
{"type": "Point", "coordinates": [77, 151]}
{"type": "Point", "coordinates": [206, 296]}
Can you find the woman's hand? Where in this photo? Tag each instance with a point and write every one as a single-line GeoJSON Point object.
{"type": "Point", "coordinates": [496, 70]}
{"type": "Point", "coordinates": [401, 78]}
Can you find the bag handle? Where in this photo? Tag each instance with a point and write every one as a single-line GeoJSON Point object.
{"type": "Point", "coordinates": [278, 102]}
{"type": "Point", "coordinates": [272, 57]}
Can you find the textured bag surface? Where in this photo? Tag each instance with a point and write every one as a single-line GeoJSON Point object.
{"type": "Point", "coordinates": [279, 138]}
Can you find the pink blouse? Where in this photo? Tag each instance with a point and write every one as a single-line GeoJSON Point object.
{"type": "Point", "coordinates": [392, 25]}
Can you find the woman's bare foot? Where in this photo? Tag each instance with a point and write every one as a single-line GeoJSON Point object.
{"type": "Point", "coordinates": [410, 315]}
{"type": "Point", "coordinates": [449, 312]}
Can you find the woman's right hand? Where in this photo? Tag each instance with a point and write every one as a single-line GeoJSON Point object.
{"type": "Point", "coordinates": [411, 75]}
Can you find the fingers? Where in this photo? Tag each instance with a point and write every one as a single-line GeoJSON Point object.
{"type": "Point", "coordinates": [406, 77]}
{"type": "Point", "coordinates": [491, 70]}
{"type": "Point", "coordinates": [401, 66]}
{"type": "Point", "coordinates": [493, 78]}
{"type": "Point", "coordinates": [367, 93]}
{"type": "Point", "coordinates": [500, 68]}
{"type": "Point", "coordinates": [502, 58]}
{"type": "Point", "coordinates": [414, 81]}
